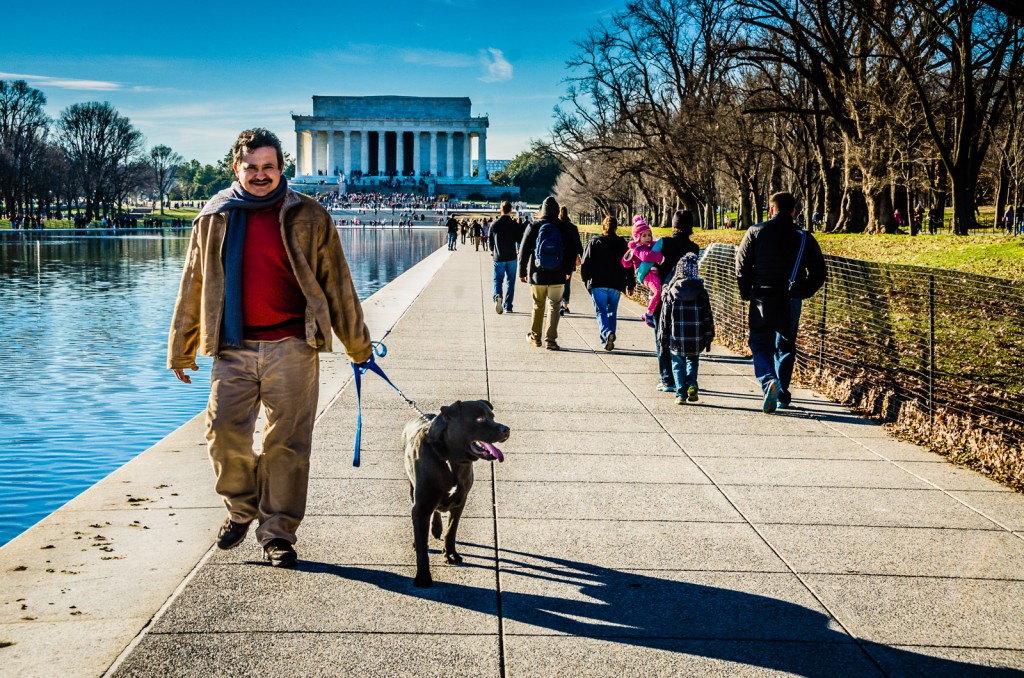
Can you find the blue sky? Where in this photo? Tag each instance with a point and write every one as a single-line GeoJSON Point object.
{"type": "Point", "coordinates": [192, 75]}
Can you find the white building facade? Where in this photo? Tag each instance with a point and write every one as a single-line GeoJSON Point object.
{"type": "Point", "coordinates": [384, 137]}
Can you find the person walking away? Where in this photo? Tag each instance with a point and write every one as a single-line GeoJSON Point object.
{"type": "Point", "coordinates": [687, 326]}
{"type": "Point", "coordinates": [642, 255]}
{"type": "Point", "coordinates": [777, 267]}
{"type": "Point", "coordinates": [464, 228]}
{"type": "Point", "coordinates": [453, 231]}
{"type": "Point", "coordinates": [606, 278]}
{"type": "Point", "coordinates": [474, 229]}
{"type": "Point", "coordinates": [673, 247]}
{"type": "Point", "coordinates": [506, 233]}
{"type": "Point", "coordinates": [563, 216]}
{"type": "Point", "coordinates": [264, 284]}
{"type": "Point", "coordinates": [485, 233]}
{"type": "Point", "coordinates": [542, 257]}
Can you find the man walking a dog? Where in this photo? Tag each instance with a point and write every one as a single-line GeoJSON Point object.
{"type": "Point", "coordinates": [265, 281]}
{"type": "Point", "coordinates": [548, 256]}
{"type": "Point", "coordinates": [777, 267]}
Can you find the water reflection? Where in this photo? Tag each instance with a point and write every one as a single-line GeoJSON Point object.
{"type": "Point", "coordinates": [83, 336]}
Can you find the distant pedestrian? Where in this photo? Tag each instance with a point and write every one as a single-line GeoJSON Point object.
{"type": "Point", "coordinates": [485, 233]}
{"type": "Point", "coordinates": [777, 267]}
{"type": "Point", "coordinates": [542, 258]}
{"type": "Point", "coordinates": [563, 216]}
{"type": "Point", "coordinates": [453, 231]}
{"type": "Point", "coordinates": [687, 326]}
{"type": "Point", "coordinates": [606, 278]}
{"type": "Point", "coordinates": [506, 233]}
{"type": "Point", "coordinates": [474, 231]}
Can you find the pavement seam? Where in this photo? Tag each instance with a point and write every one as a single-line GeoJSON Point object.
{"type": "Point", "coordinates": [144, 631]}
{"type": "Point", "coordinates": [494, 486]}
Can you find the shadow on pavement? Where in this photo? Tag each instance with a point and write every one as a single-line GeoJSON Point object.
{"type": "Point", "coordinates": [677, 616]}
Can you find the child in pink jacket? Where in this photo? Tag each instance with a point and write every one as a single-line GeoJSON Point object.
{"type": "Point", "coordinates": [643, 254]}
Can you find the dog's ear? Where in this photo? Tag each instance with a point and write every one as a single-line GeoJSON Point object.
{"type": "Point", "coordinates": [489, 405]}
{"type": "Point", "coordinates": [437, 426]}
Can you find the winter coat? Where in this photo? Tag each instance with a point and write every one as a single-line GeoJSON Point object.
{"type": "Point", "coordinates": [506, 233]}
{"type": "Point", "coordinates": [528, 266]}
{"type": "Point", "coordinates": [601, 265]}
{"type": "Point", "coordinates": [318, 262]}
{"type": "Point", "coordinates": [687, 325]}
{"type": "Point", "coordinates": [765, 259]}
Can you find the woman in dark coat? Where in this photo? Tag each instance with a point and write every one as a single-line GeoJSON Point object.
{"type": "Point", "coordinates": [606, 278]}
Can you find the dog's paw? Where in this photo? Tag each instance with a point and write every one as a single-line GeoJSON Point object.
{"type": "Point", "coordinates": [452, 558]}
{"type": "Point", "coordinates": [423, 581]}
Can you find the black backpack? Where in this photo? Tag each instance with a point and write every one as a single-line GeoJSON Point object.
{"type": "Point", "coordinates": [549, 249]}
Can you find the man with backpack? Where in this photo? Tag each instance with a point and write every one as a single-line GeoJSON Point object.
{"type": "Point", "coordinates": [542, 257]}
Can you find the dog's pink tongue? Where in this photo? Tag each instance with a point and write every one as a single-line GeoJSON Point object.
{"type": "Point", "coordinates": [494, 451]}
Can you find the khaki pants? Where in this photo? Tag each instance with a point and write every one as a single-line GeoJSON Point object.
{"type": "Point", "coordinates": [283, 376]}
{"type": "Point", "coordinates": [552, 294]}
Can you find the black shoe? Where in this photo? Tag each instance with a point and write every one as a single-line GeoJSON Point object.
{"type": "Point", "coordinates": [232, 534]}
{"type": "Point", "coordinates": [280, 553]}
{"type": "Point", "coordinates": [552, 346]}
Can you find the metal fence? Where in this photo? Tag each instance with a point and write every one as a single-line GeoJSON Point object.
{"type": "Point", "coordinates": [937, 354]}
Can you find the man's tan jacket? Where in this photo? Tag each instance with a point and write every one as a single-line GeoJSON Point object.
{"type": "Point", "coordinates": [314, 250]}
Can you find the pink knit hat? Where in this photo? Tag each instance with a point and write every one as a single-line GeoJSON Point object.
{"type": "Point", "coordinates": [639, 226]}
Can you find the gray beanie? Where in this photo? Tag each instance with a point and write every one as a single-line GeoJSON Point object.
{"type": "Point", "coordinates": [687, 267]}
{"type": "Point", "coordinates": [549, 208]}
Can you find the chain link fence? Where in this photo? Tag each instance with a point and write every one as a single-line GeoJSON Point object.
{"type": "Point", "coordinates": [936, 354]}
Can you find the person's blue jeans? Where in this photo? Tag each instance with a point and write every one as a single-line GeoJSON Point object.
{"type": "Point", "coordinates": [451, 241]}
{"type": "Point", "coordinates": [774, 352]}
{"type": "Point", "coordinates": [664, 359]}
{"type": "Point", "coordinates": [684, 370]}
{"type": "Point", "coordinates": [505, 272]}
{"type": "Point", "coordinates": [606, 306]}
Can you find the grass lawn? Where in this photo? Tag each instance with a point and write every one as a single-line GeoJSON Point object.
{"type": "Point", "coordinates": [187, 213]}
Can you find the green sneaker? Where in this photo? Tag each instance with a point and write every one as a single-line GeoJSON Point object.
{"type": "Point", "coordinates": [691, 394]}
{"type": "Point", "coordinates": [680, 400]}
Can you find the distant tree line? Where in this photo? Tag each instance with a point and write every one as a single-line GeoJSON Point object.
{"type": "Point", "coordinates": [90, 161]}
{"type": "Point", "coordinates": [859, 107]}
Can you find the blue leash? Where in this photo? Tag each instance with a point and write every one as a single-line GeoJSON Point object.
{"type": "Point", "coordinates": [378, 349]}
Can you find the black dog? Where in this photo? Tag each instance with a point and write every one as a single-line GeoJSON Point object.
{"type": "Point", "coordinates": [439, 455]}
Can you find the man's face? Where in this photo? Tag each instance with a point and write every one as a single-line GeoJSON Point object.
{"type": "Point", "coordinates": [258, 171]}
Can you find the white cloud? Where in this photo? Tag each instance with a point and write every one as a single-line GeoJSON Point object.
{"type": "Point", "coordinates": [496, 67]}
{"type": "Point", "coordinates": [65, 83]}
{"type": "Point", "coordinates": [433, 57]}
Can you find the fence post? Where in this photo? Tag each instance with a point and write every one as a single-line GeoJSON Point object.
{"type": "Point", "coordinates": [824, 311]}
{"type": "Point", "coordinates": [931, 358]}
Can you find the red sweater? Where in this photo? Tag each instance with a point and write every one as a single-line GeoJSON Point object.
{"type": "Point", "coordinates": [273, 306]}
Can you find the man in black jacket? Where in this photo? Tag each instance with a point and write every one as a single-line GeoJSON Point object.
{"type": "Point", "coordinates": [546, 283]}
{"type": "Point", "coordinates": [606, 278]}
{"type": "Point", "coordinates": [777, 267]}
{"type": "Point", "coordinates": [505, 236]}
{"type": "Point", "coordinates": [673, 248]}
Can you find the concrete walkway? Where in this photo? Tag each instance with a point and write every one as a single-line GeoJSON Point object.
{"type": "Point", "coordinates": [624, 535]}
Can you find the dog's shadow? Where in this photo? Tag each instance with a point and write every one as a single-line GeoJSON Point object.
{"type": "Point", "coordinates": [541, 595]}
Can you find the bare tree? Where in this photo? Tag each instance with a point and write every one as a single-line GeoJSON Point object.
{"type": "Point", "coordinates": [164, 163]}
{"type": "Point", "coordinates": [23, 132]}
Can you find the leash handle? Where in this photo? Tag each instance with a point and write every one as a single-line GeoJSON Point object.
{"type": "Point", "coordinates": [378, 349]}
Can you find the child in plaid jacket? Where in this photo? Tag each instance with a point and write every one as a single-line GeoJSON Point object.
{"type": "Point", "coordinates": [687, 326]}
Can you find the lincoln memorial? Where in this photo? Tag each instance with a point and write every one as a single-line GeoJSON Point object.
{"type": "Point", "coordinates": [375, 140]}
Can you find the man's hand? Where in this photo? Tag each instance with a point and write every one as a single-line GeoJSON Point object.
{"type": "Point", "coordinates": [179, 372]}
{"type": "Point", "coordinates": [522, 278]}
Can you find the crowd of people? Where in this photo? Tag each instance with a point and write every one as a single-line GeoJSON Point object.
{"type": "Point", "coordinates": [778, 264]}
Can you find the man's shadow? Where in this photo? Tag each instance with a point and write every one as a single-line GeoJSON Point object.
{"type": "Point", "coordinates": [667, 614]}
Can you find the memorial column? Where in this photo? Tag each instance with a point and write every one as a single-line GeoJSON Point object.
{"type": "Point", "coordinates": [481, 153]}
{"type": "Point", "coordinates": [346, 153]}
{"type": "Point", "coordinates": [382, 165]}
{"type": "Point", "coordinates": [449, 160]}
{"type": "Point", "coordinates": [467, 164]}
{"type": "Point", "coordinates": [433, 153]}
{"type": "Point", "coordinates": [400, 153]}
{"type": "Point", "coordinates": [314, 166]}
{"type": "Point", "coordinates": [299, 155]}
{"type": "Point", "coordinates": [364, 152]}
{"type": "Point", "coordinates": [328, 153]}
{"type": "Point", "coordinates": [417, 167]}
